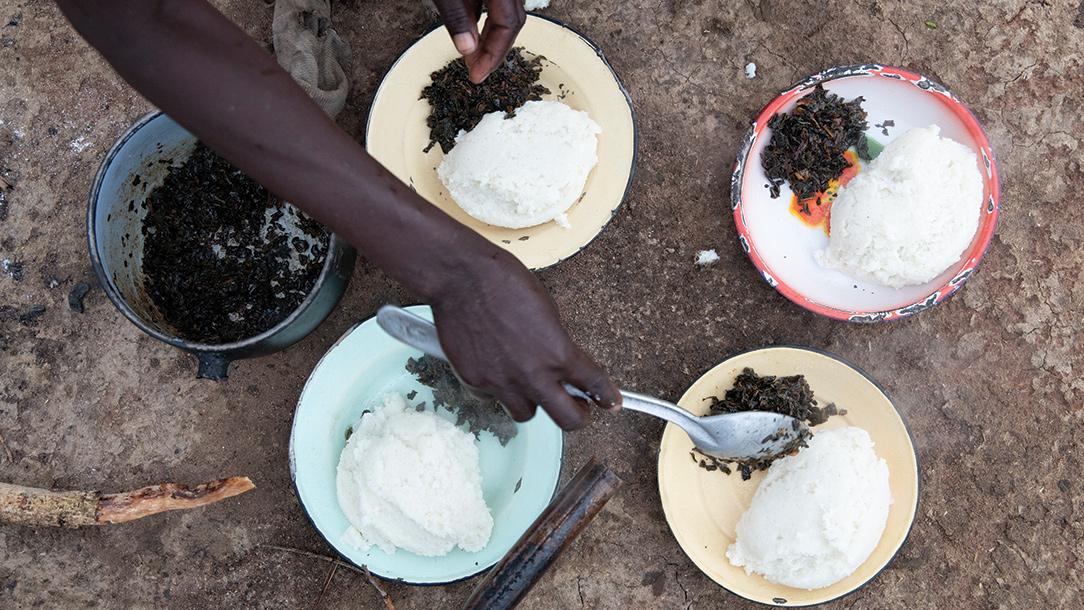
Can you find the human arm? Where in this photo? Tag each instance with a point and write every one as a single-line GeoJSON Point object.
{"type": "Point", "coordinates": [497, 323]}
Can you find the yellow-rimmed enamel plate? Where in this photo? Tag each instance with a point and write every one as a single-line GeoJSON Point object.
{"type": "Point", "coordinates": [576, 74]}
{"type": "Point", "coordinates": [703, 508]}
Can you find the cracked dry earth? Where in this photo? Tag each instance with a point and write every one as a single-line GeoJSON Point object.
{"type": "Point", "coordinates": [989, 380]}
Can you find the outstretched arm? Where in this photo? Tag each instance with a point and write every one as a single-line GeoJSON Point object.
{"type": "Point", "coordinates": [498, 325]}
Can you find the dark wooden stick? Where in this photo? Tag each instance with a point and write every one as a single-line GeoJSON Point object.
{"type": "Point", "coordinates": [514, 575]}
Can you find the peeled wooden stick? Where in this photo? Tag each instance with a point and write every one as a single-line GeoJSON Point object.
{"type": "Point", "coordinates": [41, 507]}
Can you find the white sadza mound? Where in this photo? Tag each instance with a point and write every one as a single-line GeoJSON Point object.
{"type": "Point", "coordinates": [910, 215]}
{"type": "Point", "coordinates": [410, 479]}
{"type": "Point", "coordinates": [525, 170]}
{"type": "Point", "coordinates": [816, 515]}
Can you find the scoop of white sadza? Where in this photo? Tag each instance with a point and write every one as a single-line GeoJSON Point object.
{"type": "Point", "coordinates": [409, 479]}
{"type": "Point", "coordinates": [522, 171]}
{"type": "Point", "coordinates": [909, 216]}
{"type": "Point", "coordinates": [816, 515]}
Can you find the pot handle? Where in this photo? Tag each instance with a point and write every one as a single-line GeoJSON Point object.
{"type": "Point", "coordinates": [212, 366]}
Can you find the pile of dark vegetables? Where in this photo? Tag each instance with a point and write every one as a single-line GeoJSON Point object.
{"type": "Point", "coordinates": [215, 260]}
{"type": "Point", "coordinates": [457, 104]}
{"type": "Point", "coordinates": [787, 395]}
{"type": "Point", "coordinates": [807, 145]}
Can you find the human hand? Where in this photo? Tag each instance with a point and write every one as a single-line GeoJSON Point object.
{"type": "Point", "coordinates": [503, 335]}
{"type": "Point", "coordinates": [482, 53]}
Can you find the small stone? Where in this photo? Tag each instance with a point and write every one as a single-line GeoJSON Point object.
{"type": "Point", "coordinates": [30, 318]}
{"type": "Point", "coordinates": [75, 297]}
{"type": "Point", "coordinates": [15, 270]}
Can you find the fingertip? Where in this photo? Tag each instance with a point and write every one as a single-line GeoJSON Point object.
{"type": "Point", "coordinates": [569, 414]}
{"type": "Point", "coordinates": [477, 73]}
{"type": "Point", "coordinates": [570, 423]}
{"type": "Point", "coordinates": [465, 42]}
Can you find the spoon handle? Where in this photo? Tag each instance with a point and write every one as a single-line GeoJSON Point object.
{"type": "Point", "coordinates": [671, 413]}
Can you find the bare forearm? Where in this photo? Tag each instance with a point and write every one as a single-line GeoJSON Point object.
{"type": "Point", "coordinates": [208, 75]}
{"type": "Point", "coordinates": [496, 321]}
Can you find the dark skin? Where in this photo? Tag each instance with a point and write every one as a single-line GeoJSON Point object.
{"type": "Point", "coordinates": [496, 322]}
{"type": "Point", "coordinates": [483, 53]}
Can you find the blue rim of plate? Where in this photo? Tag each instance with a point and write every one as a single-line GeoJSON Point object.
{"type": "Point", "coordinates": [332, 400]}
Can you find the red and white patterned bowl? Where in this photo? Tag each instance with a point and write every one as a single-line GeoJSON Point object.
{"type": "Point", "coordinates": [781, 246]}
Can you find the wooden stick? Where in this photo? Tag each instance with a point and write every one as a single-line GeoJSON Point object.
{"type": "Point", "coordinates": [41, 507]}
{"type": "Point", "coordinates": [117, 508]}
{"type": "Point", "coordinates": [362, 570]}
{"type": "Point", "coordinates": [11, 458]}
{"type": "Point", "coordinates": [327, 584]}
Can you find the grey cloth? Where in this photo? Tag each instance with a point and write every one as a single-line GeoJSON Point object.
{"type": "Point", "coordinates": [312, 52]}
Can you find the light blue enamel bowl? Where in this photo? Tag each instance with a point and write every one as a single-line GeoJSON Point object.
{"type": "Point", "coordinates": [518, 479]}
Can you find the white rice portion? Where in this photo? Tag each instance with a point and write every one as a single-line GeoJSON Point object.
{"type": "Point", "coordinates": [908, 216]}
{"type": "Point", "coordinates": [410, 480]}
{"type": "Point", "coordinates": [523, 171]}
{"type": "Point", "coordinates": [816, 515]}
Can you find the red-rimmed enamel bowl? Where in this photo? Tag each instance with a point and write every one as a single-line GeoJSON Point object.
{"type": "Point", "coordinates": [781, 245]}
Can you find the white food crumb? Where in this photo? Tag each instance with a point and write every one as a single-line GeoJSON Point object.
{"type": "Point", "coordinates": [79, 144]}
{"type": "Point", "coordinates": [534, 5]}
{"type": "Point", "coordinates": [706, 257]}
{"type": "Point", "coordinates": [750, 70]}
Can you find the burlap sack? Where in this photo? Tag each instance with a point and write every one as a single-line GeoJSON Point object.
{"type": "Point", "coordinates": [312, 52]}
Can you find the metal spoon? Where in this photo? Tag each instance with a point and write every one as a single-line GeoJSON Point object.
{"type": "Point", "coordinates": [748, 435]}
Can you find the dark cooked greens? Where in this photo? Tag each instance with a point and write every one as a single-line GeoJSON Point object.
{"type": "Point", "coordinates": [457, 104]}
{"type": "Point", "coordinates": [807, 145]}
{"type": "Point", "coordinates": [448, 392]}
{"type": "Point", "coordinates": [218, 263]}
{"type": "Point", "coordinates": [787, 395]}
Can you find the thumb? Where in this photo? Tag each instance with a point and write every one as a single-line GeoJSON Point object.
{"type": "Point", "coordinates": [461, 19]}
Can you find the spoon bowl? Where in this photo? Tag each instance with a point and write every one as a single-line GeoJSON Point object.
{"type": "Point", "coordinates": [734, 437]}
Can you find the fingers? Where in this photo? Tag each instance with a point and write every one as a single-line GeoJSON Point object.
{"type": "Point", "coordinates": [567, 412]}
{"type": "Point", "coordinates": [505, 20]}
{"type": "Point", "coordinates": [592, 380]}
{"type": "Point", "coordinates": [461, 19]}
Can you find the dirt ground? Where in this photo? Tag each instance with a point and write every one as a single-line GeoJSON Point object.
{"type": "Point", "coordinates": [987, 380]}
